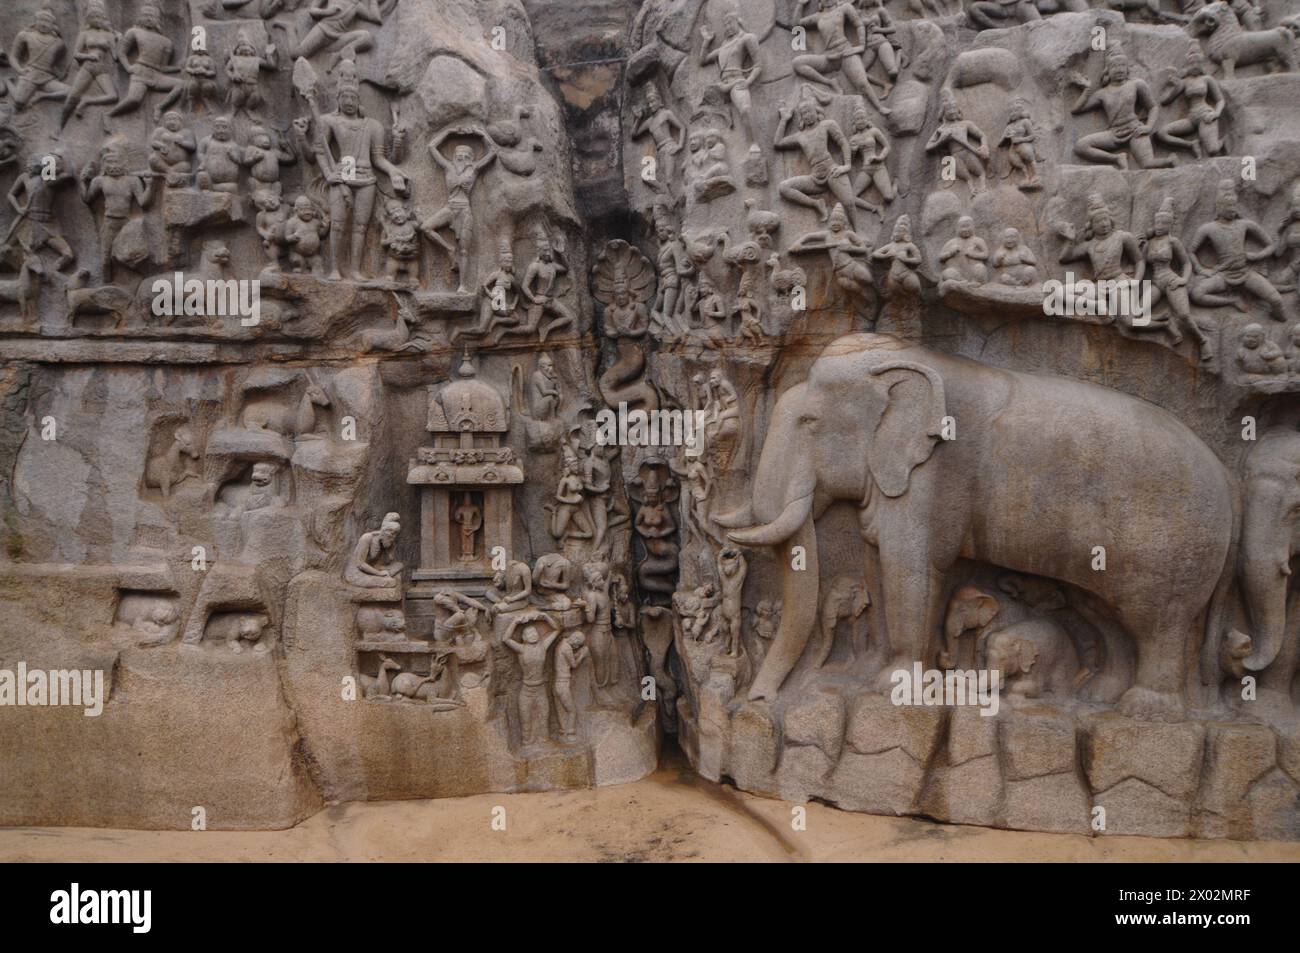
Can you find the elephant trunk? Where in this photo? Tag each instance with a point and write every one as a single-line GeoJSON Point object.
{"type": "Point", "coordinates": [1265, 572]}
{"type": "Point", "coordinates": [799, 593]}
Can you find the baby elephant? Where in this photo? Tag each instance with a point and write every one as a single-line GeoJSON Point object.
{"type": "Point", "coordinates": [1035, 657]}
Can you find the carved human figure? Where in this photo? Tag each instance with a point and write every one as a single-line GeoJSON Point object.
{"type": "Point", "coordinates": [1020, 139]}
{"type": "Point", "coordinates": [31, 196]}
{"type": "Point", "coordinates": [1014, 262]}
{"type": "Point", "coordinates": [401, 242]}
{"type": "Point", "coordinates": [264, 157]}
{"type": "Point", "coordinates": [904, 260]}
{"type": "Point", "coordinates": [879, 45]}
{"type": "Point", "coordinates": [570, 514]}
{"type": "Point", "coordinates": [173, 148]}
{"type": "Point", "coordinates": [469, 519]}
{"type": "Point", "coordinates": [349, 147]}
{"type": "Point", "coordinates": [332, 29]}
{"type": "Point", "coordinates": [534, 706]}
{"type": "Point", "coordinates": [1122, 98]}
{"type": "Point", "coordinates": [1257, 354]}
{"type": "Point", "coordinates": [963, 257]}
{"type": "Point", "coordinates": [541, 288]}
{"type": "Point", "coordinates": [848, 253]}
{"type": "Point", "coordinates": [870, 146]}
{"type": "Point", "coordinates": [1113, 254]}
{"type": "Point", "coordinates": [304, 235]}
{"type": "Point", "coordinates": [199, 86]}
{"type": "Point", "coordinates": [666, 132]}
{"type": "Point", "coordinates": [95, 55]}
{"type": "Point", "coordinates": [1198, 131]}
{"type": "Point", "coordinates": [544, 390]}
{"type": "Point", "coordinates": [121, 192]}
{"type": "Point", "coordinates": [220, 158]}
{"type": "Point", "coordinates": [672, 262]}
{"type": "Point", "coordinates": [834, 21]}
{"type": "Point", "coordinates": [739, 64]}
{"type": "Point", "coordinates": [373, 564]}
{"type": "Point", "coordinates": [996, 14]}
{"type": "Point", "coordinates": [37, 55]}
{"type": "Point", "coordinates": [962, 142]}
{"type": "Point", "coordinates": [462, 172]}
{"type": "Point", "coordinates": [1229, 237]}
{"type": "Point", "coordinates": [151, 70]}
{"type": "Point", "coordinates": [697, 482]}
{"type": "Point", "coordinates": [244, 68]}
{"type": "Point", "coordinates": [814, 138]}
{"type": "Point", "coordinates": [1287, 245]}
{"type": "Point", "coordinates": [732, 570]}
{"type": "Point", "coordinates": [1171, 270]}
{"type": "Point", "coordinates": [570, 653]}
{"type": "Point", "coordinates": [598, 612]}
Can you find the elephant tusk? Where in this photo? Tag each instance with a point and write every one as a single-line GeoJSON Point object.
{"type": "Point", "coordinates": [742, 516]}
{"type": "Point", "coordinates": [780, 529]}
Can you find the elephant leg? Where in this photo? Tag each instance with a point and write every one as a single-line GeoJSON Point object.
{"type": "Point", "coordinates": [827, 639]}
{"type": "Point", "coordinates": [913, 593]}
{"type": "Point", "coordinates": [1157, 692]}
{"type": "Point", "coordinates": [799, 592]}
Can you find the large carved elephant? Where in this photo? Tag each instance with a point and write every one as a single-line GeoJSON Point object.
{"type": "Point", "coordinates": [1270, 538]}
{"type": "Point", "coordinates": [1041, 471]}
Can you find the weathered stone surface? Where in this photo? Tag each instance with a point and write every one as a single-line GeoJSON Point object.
{"type": "Point", "coordinates": [1166, 757]}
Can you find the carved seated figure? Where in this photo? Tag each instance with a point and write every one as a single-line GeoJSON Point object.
{"type": "Point", "coordinates": [1257, 355]}
{"type": "Point", "coordinates": [381, 625]}
{"type": "Point", "coordinates": [963, 257]}
{"type": "Point", "coordinates": [1014, 261]}
{"type": "Point", "coordinates": [373, 564]}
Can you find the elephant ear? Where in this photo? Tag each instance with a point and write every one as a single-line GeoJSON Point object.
{"type": "Point", "coordinates": [909, 426]}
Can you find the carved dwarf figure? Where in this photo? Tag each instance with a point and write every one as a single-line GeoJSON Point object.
{"type": "Point", "coordinates": [1014, 261]}
{"type": "Point", "coordinates": [304, 236]}
{"type": "Point", "coordinates": [220, 158]}
{"type": "Point", "coordinates": [1257, 355]}
{"type": "Point", "coordinates": [173, 147]}
{"type": "Point", "coordinates": [963, 257]}
{"type": "Point", "coordinates": [199, 87]}
{"type": "Point", "coordinates": [401, 242]}
{"type": "Point", "coordinates": [1021, 142]}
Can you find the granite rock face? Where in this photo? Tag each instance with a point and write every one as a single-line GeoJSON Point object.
{"type": "Point", "coordinates": [895, 402]}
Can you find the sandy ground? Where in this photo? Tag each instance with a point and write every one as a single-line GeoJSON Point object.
{"type": "Point", "coordinates": [670, 816]}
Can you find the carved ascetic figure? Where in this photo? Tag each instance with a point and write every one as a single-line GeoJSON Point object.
{"type": "Point", "coordinates": [1198, 131]}
{"type": "Point", "coordinates": [462, 172]}
{"type": "Point", "coordinates": [739, 63]}
{"type": "Point", "coordinates": [665, 131]}
{"type": "Point", "coordinates": [531, 650]}
{"type": "Point", "coordinates": [349, 147]}
{"type": "Point", "coordinates": [1171, 270]}
{"type": "Point", "coordinates": [1228, 237]}
{"type": "Point", "coordinates": [963, 144]}
{"type": "Point", "coordinates": [963, 257]}
{"type": "Point", "coordinates": [865, 427]}
{"type": "Point", "coordinates": [598, 612]}
{"type": "Point", "coordinates": [1229, 46]}
{"type": "Point", "coordinates": [814, 139]}
{"type": "Point", "coordinates": [151, 69]}
{"type": "Point", "coordinates": [570, 653]}
{"type": "Point", "coordinates": [1021, 142]}
{"type": "Point", "coordinates": [95, 55]}
{"type": "Point", "coordinates": [1014, 262]}
{"type": "Point", "coordinates": [35, 226]}
{"type": "Point", "coordinates": [38, 53]}
{"type": "Point", "coordinates": [374, 564]}
{"type": "Point", "coordinates": [848, 252]}
{"type": "Point", "coordinates": [732, 570]}
{"type": "Point", "coordinates": [1123, 98]}
{"type": "Point", "coordinates": [121, 192]}
{"type": "Point", "coordinates": [834, 21]}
